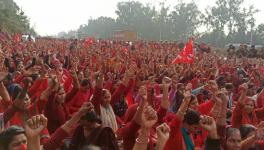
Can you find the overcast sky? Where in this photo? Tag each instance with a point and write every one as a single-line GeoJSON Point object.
{"type": "Point", "coordinates": [52, 16]}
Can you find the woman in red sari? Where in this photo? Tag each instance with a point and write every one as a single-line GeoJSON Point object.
{"type": "Point", "coordinates": [245, 112]}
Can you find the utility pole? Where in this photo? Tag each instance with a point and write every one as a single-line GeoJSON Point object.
{"type": "Point", "coordinates": [251, 38]}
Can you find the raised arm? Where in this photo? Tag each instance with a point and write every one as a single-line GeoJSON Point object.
{"type": "Point", "coordinates": [33, 128]}
{"type": "Point", "coordinates": [213, 140]}
{"type": "Point", "coordinates": [237, 112]}
{"type": "Point", "coordinates": [66, 129]}
{"type": "Point", "coordinates": [6, 100]}
{"type": "Point", "coordinates": [97, 96]}
{"type": "Point", "coordinates": [129, 131]}
{"type": "Point", "coordinates": [33, 63]}
{"type": "Point", "coordinates": [76, 86]}
{"type": "Point", "coordinates": [165, 103]}
{"type": "Point", "coordinates": [148, 120]}
{"type": "Point", "coordinates": [47, 61]}
{"type": "Point", "coordinates": [221, 117]}
{"type": "Point", "coordinates": [66, 64]}
{"type": "Point", "coordinates": [120, 91]}
{"type": "Point", "coordinates": [184, 106]}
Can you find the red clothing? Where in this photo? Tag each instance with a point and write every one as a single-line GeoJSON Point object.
{"type": "Point", "coordinates": [61, 111]}
{"type": "Point", "coordinates": [130, 113]}
{"type": "Point", "coordinates": [98, 97]}
{"type": "Point", "coordinates": [37, 88]}
{"type": "Point", "coordinates": [66, 80]}
{"type": "Point", "coordinates": [129, 134]}
{"type": "Point", "coordinates": [176, 141]}
{"type": "Point", "coordinates": [56, 139]}
{"type": "Point", "coordinates": [206, 107]}
{"type": "Point", "coordinates": [77, 101]}
{"type": "Point", "coordinates": [240, 116]}
{"type": "Point", "coordinates": [18, 79]}
{"type": "Point", "coordinates": [4, 105]}
{"type": "Point", "coordinates": [130, 131]}
{"type": "Point", "coordinates": [20, 117]}
{"type": "Point", "coordinates": [260, 100]}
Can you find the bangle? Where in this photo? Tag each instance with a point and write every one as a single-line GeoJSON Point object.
{"type": "Point", "coordinates": [142, 141]}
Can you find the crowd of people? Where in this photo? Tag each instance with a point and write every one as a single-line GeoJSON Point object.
{"type": "Point", "coordinates": [110, 95]}
{"type": "Point", "coordinates": [246, 51]}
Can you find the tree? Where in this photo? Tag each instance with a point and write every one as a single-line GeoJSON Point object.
{"type": "Point", "coordinates": [259, 34]}
{"type": "Point", "coordinates": [102, 27]}
{"type": "Point", "coordinates": [185, 19]}
{"type": "Point", "coordinates": [163, 23]}
{"type": "Point", "coordinates": [137, 17]}
{"type": "Point", "coordinates": [12, 18]}
{"type": "Point", "coordinates": [230, 17]}
{"type": "Point", "coordinates": [227, 21]}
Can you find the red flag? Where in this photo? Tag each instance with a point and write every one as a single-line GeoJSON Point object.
{"type": "Point", "coordinates": [125, 50]}
{"type": "Point", "coordinates": [187, 55]}
{"type": "Point", "coordinates": [88, 42]}
{"type": "Point", "coordinates": [17, 38]}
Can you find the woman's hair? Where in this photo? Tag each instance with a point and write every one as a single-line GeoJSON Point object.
{"type": "Point", "coordinates": [14, 90]}
{"type": "Point", "coordinates": [228, 116]}
{"type": "Point", "coordinates": [85, 82]}
{"type": "Point", "coordinates": [193, 97]}
{"type": "Point", "coordinates": [230, 131]}
{"type": "Point", "coordinates": [229, 86]}
{"type": "Point", "coordinates": [246, 129]}
{"type": "Point", "coordinates": [7, 136]}
{"type": "Point", "coordinates": [192, 117]}
{"type": "Point", "coordinates": [220, 81]}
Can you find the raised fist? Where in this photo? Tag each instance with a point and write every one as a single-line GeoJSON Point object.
{"type": "Point", "coordinates": [187, 95]}
{"type": "Point", "coordinates": [149, 117]}
{"type": "Point", "coordinates": [35, 125]}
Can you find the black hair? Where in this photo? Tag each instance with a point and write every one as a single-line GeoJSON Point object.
{"type": "Point", "coordinates": [246, 129]}
{"type": "Point", "coordinates": [228, 114]}
{"type": "Point", "coordinates": [16, 91]}
{"type": "Point", "coordinates": [192, 117]}
{"type": "Point", "coordinates": [7, 136]}
{"type": "Point", "coordinates": [85, 82]}
{"type": "Point", "coordinates": [259, 90]}
{"type": "Point", "coordinates": [193, 97]}
{"type": "Point", "coordinates": [91, 117]}
{"type": "Point", "coordinates": [35, 76]}
{"type": "Point", "coordinates": [230, 131]}
{"type": "Point", "coordinates": [220, 81]}
{"type": "Point", "coordinates": [181, 45]}
{"type": "Point", "coordinates": [229, 86]}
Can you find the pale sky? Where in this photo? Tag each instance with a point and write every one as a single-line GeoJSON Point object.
{"type": "Point", "coordinates": [50, 17]}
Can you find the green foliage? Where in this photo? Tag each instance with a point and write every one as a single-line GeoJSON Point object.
{"type": "Point", "coordinates": [101, 27]}
{"type": "Point", "coordinates": [185, 19]}
{"type": "Point", "coordinates": [228, 21]}
{"type": "Point", "coordinates": [147, 21]}
{"type": "Point", "coordinates": [230, 17]}
{"type": "Point", "coordinates": [12, 18]}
